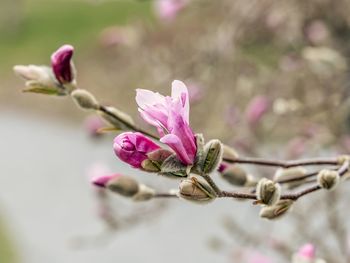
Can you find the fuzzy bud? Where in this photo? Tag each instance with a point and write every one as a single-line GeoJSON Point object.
{"type": "Point", "coordinates": [288, 173]}
{"type": "Point", "coordinates": [39, 79]}
{"type": "Point", "coordinates": [212, 156]}
{"type": "Point", "coordinates": [123, 185]}
{"type": "Point", "coordinates": [277, 210]}
{"type": "Point", "coordinates": [85, 99]}
{"type": "Point", "coordinates": [196, 189]}
{"type": "Point", "coordinates": [145, 193]}
{"type": "Point", "coordinates": [229, 152]}
{"type": "Point", "coordinates": [235, 175]}
{"type": "Point", "coordinates": [268, 192]}
{"type": "Point", "coordinates": [328, 179]}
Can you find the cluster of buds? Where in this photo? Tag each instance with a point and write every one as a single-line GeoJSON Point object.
{"type": "Point", "coordinates": [178, 152]}
{"type": "Point", "coordinates": [59, 79]}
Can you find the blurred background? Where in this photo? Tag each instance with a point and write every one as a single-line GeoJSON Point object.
{"type": "Point", "coordinates": [270, 78]}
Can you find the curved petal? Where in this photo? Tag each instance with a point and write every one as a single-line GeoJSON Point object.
{"type": "Point", "coordinates": [146, 97]}
{"type": "Point", "coordinates": [180, 91]}
{"type": "Point", "coordinates": [175, 143]}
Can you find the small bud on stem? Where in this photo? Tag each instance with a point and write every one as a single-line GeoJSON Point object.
{"type": "Point", "coordinates": [123, 185]}
{"type": "Point", "coordinates": [277, 210]}
{"type": "Point", "coordinates": [268, 192]}
{"type": "Point", "coordinates": [328, 179]}
{"type": "Point", "coordinates": [196, 189]}
{"type": "Point", "coordinates": [85, 99]}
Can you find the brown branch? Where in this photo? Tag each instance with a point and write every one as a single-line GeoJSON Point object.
{"type": "Point", "coordinates": [283, 164]}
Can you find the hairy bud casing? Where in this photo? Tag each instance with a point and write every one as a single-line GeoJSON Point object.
{"type": "Point", "coordinates": [123, 185]}
{"type": "Point", "coordinates": [235, 175]}
{"type": "Point", "coordinates": [212, 156]}
{"type": "Point", "coordinates": [277, 210]}
{"type": "Point", "coordinates": [196, 189]}
{"type": "Point", "coordinates": [85, 99]}
{"type": "Point", "coordinates": [268, 192]}
{"type": "Point", "coordinates": [328, 179]}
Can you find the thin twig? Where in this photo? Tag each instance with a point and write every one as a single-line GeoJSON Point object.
{"type": "Point", "coordinates": [283, 164]}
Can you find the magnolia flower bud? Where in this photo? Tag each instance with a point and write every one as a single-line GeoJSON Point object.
{"type": "Point", "coordinates": [145, 193]}
{"type": "Point", "coordinates": [288, 173]}
{"type": "Point", "coordinates": [235, 175]}
{"type": "Point", "coordinates": [123, 185]}
{"type": "Point", "coordinates": [212, 156]}
{"type": "Point", "coordinates": [85, 99]}
{"type": "Point", "coordinates": [133, 147]}
{"type": "Point", "coordinates": [62, 66]}
{"type": "Point", "coordinates": [196, 189]}
{"type": "Point", "coordinates": [328, 179]}
{"type": "Point", "coordinates": [102, 181]}
{"type": "Point", "coordinates": [283, 174]}
{"type": "Point", "coordinates": [277, 210]}
{"type": "Point", "coordinates": [268, 192]}
{"type": "Point", "coordinates": [39, 79]}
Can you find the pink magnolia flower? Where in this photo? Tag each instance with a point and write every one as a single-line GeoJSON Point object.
{"type": "Point", "coordinates": [256, 109]}
{"type": "Point", "coordinates": [133, 147]}
{"type": "Point", "coordinates": [307, 251]}
{"type": "Point", "coordinates": [168, 9]}
{"type": "Point", "coordinates": [61, 62]}
{"type": "Point", "coordinates": [170, 115]}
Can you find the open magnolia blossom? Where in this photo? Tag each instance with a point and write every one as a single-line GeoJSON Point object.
{"type": "Point", "coordinates": [180, 153]}
{"type": "Point", "coordinates": [170, 115]}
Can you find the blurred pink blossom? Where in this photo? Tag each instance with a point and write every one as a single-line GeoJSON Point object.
{"type": "Point", "coordinates": [93, 124]}
{"type": "Point", "coordinates": [195, 92]}
{"type": "Point", "coordinates": [296, 147]}
{"type": "Point", "coordinates": [167, 10]}
{"type": "Point", "coordinates": [256, 109]}
{"type": "Point", "coordinates": [232, 116]}
{"type": "Point", "coordinates": [256, 257]}
{"type": "Point", "coordinates": [317, 32]}
{"type": "Point", "coordinates": [112, 36]}
{"type": "Point", "coordinates": [307, 251]}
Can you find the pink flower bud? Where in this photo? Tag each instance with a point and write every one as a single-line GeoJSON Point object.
{"type": "Point", "coordinates": [101, 181]}
{"type": "Point", "coordinates": [222, 167]}
{"type": "Point", "coordinates": [133, 147]}
{"type": "Point", "coordinates": [61, 62]}
{"type": "Point", "coordinates": [307, 251]}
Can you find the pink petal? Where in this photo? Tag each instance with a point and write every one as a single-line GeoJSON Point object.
{"type": "Point", "coordinates": [174, 143]}
{"type": "Point", "coordinates": [146, 97]}
{"type": "Point", "coordinates": [180, 91]}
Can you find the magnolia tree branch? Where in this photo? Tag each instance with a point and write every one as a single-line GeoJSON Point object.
{"type": "Point", "coordinates": [180, 153]}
